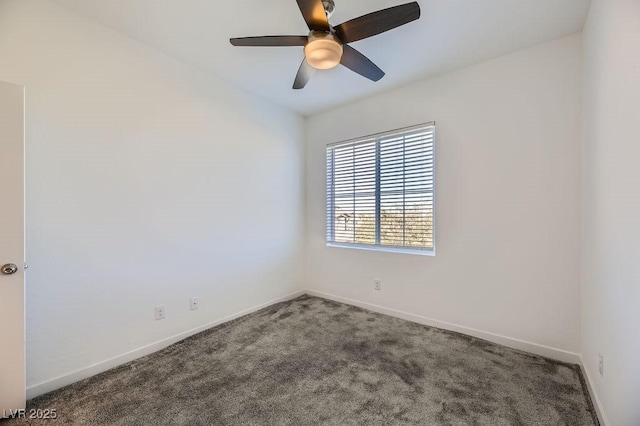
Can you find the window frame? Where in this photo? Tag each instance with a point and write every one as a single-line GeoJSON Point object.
{"type": "Point", "coordinates": [330, 198]}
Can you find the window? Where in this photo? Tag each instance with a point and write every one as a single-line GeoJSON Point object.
{"type": "Point", "coordinates": [380, 191]}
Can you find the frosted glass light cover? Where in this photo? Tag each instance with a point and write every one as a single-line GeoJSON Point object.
{"type": "Point", "coordinates": [323, 53]}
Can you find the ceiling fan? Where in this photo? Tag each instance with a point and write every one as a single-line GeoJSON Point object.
{"type": "Point", "coordinates": [327, 46]}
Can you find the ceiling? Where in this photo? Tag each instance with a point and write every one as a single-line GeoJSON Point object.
{"type": "Point", "coordinates": [450, 34]}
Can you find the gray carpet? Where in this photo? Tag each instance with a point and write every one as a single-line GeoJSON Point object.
{"type": "Point", "coordinates": [314, 361]}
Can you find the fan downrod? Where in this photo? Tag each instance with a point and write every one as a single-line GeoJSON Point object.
{"type": "Point", "coordinates": [329, 7]}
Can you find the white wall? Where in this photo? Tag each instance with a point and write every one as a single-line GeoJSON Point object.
{"type": "Point", "coordinates": [611, 266]}
{"type": "Point", "coordinates": [148, 182]}
{"type": "Point", "coordinates": [508, 199]}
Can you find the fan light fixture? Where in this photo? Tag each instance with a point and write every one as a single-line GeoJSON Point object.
{"type": "Point", "coordinates": [323, 51]}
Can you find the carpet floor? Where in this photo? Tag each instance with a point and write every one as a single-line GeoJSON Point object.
{"type": "Point", "coordinates": [315, 361]}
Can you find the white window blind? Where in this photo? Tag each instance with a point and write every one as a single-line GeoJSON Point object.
{"type": "Point", "coordinates": [380, 191]}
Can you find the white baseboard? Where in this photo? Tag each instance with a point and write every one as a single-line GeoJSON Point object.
{"type": "Point", "coordinates": [97, 368]}
{"type": "Point", "coordinates": [594, 395]}
{"type": "Point", "coordinates": [545, 351]}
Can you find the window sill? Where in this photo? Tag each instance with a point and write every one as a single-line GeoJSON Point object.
{"type": "Point", "coordinates": [401, 250]}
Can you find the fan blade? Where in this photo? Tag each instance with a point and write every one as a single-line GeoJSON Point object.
{"type": "Point", "coordinates": [377, 22]}
{"type": "Point", "coordinates": [270, 41]}
{"type": "Point", "coordinates": [314, 14]}
{"type": "Point", "coordinates": [359, 63]}
{"type": "Point", "coordinates": [305, 73]}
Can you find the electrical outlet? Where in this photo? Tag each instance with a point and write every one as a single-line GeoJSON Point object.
{"type": "Point", "coordinates": [194, 303]}
{"type": "Point", "coordinates": [377, 285]}
{"type": "Point", "coordinates": [160, 312]}
{"type": "Point", "coordinates": [601, 364]}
